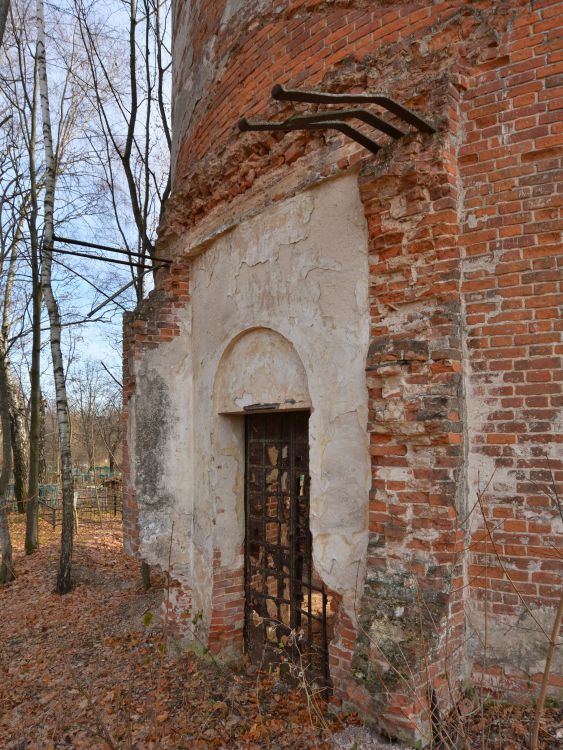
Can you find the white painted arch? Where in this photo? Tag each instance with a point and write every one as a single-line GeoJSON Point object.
{"type": "Point", "coordinates": [260, 369]}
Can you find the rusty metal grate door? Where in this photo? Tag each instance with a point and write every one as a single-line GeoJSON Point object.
{"type": "Point", "coordinates": [283, 593]}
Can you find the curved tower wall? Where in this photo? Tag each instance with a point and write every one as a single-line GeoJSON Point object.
{"type": "Point", "coordinates": [418, 289]}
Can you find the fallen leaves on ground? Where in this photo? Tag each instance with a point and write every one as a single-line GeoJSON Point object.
{"type": "Point", "coordinates": [89, 670]}
{"type": "Point", "coordinates": [480, 722]}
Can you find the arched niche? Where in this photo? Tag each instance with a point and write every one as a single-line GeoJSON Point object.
{"type": "Point", "coordinates": [260, 370]}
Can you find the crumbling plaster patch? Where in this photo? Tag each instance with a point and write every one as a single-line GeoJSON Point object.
{"type": "Point", "coordinates": [160, 440]}
{"type": "Point", "coordinates": [234, 7]}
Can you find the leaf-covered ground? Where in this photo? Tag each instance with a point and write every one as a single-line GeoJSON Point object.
{"type": "Point", "coordinates": [87, 670]}
{"type": "Point", "coordinates": [482, 724]}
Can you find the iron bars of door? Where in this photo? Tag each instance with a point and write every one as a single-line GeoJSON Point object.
{"type": "Point", "coordinates": [286, 610]}
{"type": "Point", "coordinates": [334, 119]}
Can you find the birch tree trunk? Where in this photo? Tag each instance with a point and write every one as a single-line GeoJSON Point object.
{"type": "Point", "coordinates": [6, 567]}
{"type": "Point", "coordinates": [64, 581]}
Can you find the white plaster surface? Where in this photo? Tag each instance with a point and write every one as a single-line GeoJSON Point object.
{"type": "Point", "coordinates": [261, 368]}
{"type": "Point", "coordinates": [278, 313]}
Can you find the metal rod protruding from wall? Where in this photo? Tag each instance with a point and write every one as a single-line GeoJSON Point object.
{"type": "Point", "coordinates": [288, 125]}
{"type": "Point", "coordinates": [334, 119]}
{"type": "Point", "coordinates": [320, 97]}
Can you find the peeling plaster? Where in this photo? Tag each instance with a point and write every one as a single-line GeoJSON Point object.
{"type": "Point", "coordinates": [278, 313]}
{"type": "Point", "coordinates": [159, 436]}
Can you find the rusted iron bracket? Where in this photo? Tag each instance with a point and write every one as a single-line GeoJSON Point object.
{"type": "Point", "coordinates": [333, 120]}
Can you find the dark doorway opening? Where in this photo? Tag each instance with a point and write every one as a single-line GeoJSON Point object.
{"type": "Point", "coordinates": [288, 617]}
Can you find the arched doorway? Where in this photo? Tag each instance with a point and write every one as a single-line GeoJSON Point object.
{"type": "Point", "coordinates": [261, 388]}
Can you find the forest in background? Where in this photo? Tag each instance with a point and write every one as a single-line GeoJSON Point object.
{"type": "Point", "coordinates": [84, 172]}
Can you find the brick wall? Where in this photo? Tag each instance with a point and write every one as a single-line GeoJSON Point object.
{"type": "Point", "coordinates": [511, 169]}
{"type": "Point", "coordinates": [412, 594]}
{"type": "Point", "coordinates": [227, 617]}
{"type": "Point", "coordinates": [464, 369]}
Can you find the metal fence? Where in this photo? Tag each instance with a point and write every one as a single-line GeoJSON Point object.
{"type": "Point", "coordinates": [93, 503]}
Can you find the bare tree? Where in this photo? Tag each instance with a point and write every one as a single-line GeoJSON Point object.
{"type": "Point", "coordinates": [109, 426]}
{"type": "Point", "coordinates": [95, 403]}
{"type": "Point", "coordinates": [34, 171]}
{"type": "Point", "coordinates": [85, 402]}
{"type": "Point", "coordinates": [12, 398]}
{"type": "Point", "coordinates": [133, 118]}
{"type": "Point", "coordinates": [7, 392]}
{"type": "Point", "coordinates": [32, 518]}
{"type": "Point", "coordinates": [12, 212]}
{"type": "Point", "coordinates": [137, 103]}
{"type": "Point", "coordinates": [20, 194]}
{"type": "Point", "coordinates": [64, 581]}
{"type": "Point", "coordinates": [19, 92]}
